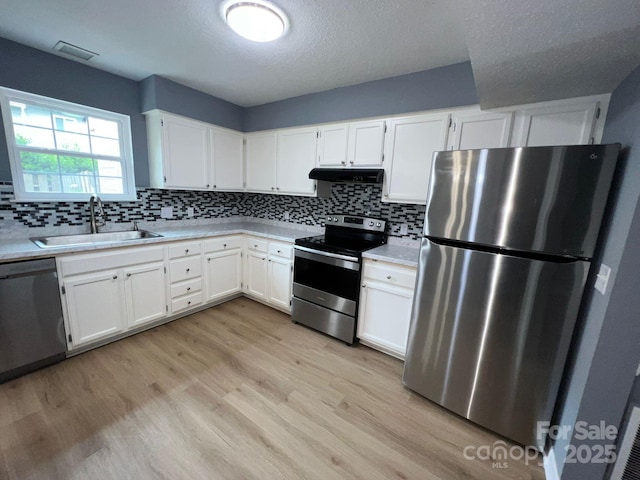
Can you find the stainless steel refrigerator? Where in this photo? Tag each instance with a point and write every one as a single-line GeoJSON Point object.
{"type": "Point", "coordinates": [508, 238]}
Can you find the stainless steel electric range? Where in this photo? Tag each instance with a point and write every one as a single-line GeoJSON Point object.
{"type": "Point", "coordinates": [326, 274]}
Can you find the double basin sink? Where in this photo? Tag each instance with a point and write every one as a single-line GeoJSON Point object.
{"type": "Point", "coordinates": [92, 238]}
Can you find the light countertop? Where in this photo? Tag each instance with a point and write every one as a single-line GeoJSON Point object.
{"type": "Point", "coordinates": [21, 248]}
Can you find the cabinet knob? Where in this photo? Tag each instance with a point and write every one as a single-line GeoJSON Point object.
{"type": "Point", "coordinates": [186, 250]}
{"type": "Point", "coordinates": [343, 163]}
{"type": "Point", "coordinates": [224, 245]}
{"type": "Point", "coordinates": [272, 188]}
{"type": "Point", "coordinates": [115, 277]}
{"type": "Point", "coordinates": [255, 246]}
{"type": "Point", "coordinates": [128, 274]}
{"type": "Point", "coordinates": [188, 289]}
{"type": "Point", "coordinates": [215, 186]}
{"type": "Point", "coordinates": [351, 162]}
{"type": "Point", "coordinates": [208, 259]}
{"type": "Point", "coordinates": [364, 286]}
{"type": "Point", "coordinates": [388, 277]}
{"type": "Point", "coordinates": [188, 270]}
{"type": "Point", "coordinates": [207, 185]}
{"type": "Point", "coordinates": [269, 259]}
{"type": "Point", "coordinates": [189, 303]}
{"type": "Point", "coordinates": [277, 188]}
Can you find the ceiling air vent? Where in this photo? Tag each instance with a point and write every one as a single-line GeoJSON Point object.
{"type": "Point", "coordinates": [74, 51]}
{"type": "Point", "coordinates": [628, 463]}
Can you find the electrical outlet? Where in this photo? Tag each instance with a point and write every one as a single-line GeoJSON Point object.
{"type": "Point", "coordinates": [166, 212]}
{"type": "Point", "coordinates": [404, 229]}
{"type": "Point", "coordinates": [602, 278]}
{"type": "Point", "coordinates": [286, 216]}
{"type": "Point", "coordinates": [191, 212]}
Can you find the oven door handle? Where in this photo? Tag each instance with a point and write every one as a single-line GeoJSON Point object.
{"type": "Point", "coordinates": [336, 259]}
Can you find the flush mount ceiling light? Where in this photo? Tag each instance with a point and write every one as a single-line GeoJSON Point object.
{"type": "Point", "coordinates": [257, 21]}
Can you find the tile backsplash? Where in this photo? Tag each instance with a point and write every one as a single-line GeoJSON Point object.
{"type": "Point", "coordinates": [309, 211]}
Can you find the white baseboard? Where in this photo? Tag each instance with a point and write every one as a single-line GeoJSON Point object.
{"type": "Point", "coordinates": [550, 466]}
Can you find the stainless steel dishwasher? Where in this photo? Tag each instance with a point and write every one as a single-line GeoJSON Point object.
{"type": "Point", "coordinates": [31, 325]}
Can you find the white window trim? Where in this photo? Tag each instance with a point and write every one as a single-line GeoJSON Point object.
{"type": "Point", "coordinates": [124, 128]}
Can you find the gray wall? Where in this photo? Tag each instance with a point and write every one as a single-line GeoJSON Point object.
{"type": "Point", "coordinates": [30, 70]}
{"type": "Point", "coordinates": [158, 92]}
{"type": "Point", "coordinates": [444, 87]}
{"type": "Point", "coordinates": [607, 355]}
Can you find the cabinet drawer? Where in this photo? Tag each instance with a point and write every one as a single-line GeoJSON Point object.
{"type": "Point", "coordinates": [223, 243]}
{"type": "Point", "coordinates": [280, 249]}
{"type": "Point", "coordinates": [184, 249]}
{"type": "Point", "coordinates": [185, 268]}
{"type": "Point", "coordinates": [258, 245]}
{"type": "Point", "coordinates": [185, 303]}
{"type": "Point", "coordinates": [390, 274]}
{"type": "Point", "coordinates": [186, 287]}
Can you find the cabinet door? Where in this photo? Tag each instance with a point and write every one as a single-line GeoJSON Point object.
{"type": "Point", "coordinates": [95, 306]}
{"type": "Point", "coordinates": [280, 282]}
{"type": "Point", "coordinates": [557, 125]}
{"type": "Point", "coordinates": [223, 274]}
{"type": "Point", "coordinates": [332, 145]}
{"type": "Point", "coordinates": [226, 149]}
{"type": "Point", "coordinates": [384, 316]}
{"type": "Point", "coordinates": [260, 157]}
{"type": "Point", "coordinates": [480, 130]}
{"type": "Point", "coordinates": [145, 293]}
{"type": "Point", "coordinates": [186, 152]}
{"type": "Point", "coordinates": [409, 149]}
{"type": "Point", "coordinates": [366, 140]}
{"type": "Point", "coordinates": [256, 274]}
{"type": "Point", "coordinates": [296, 157]}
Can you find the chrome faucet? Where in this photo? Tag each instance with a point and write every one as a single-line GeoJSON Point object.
{"type": "Point", "coordinates": [93, 202]}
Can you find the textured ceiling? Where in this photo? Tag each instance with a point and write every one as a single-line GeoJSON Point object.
{"type": "Point", "coordinates": [521, 51]}
{"type": "Point", "coordinates": [331, 43]}
{"type": "Point", "coordinates": [525, 51]}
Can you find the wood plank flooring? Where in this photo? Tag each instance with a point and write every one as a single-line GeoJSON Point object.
{"type": "Point", "coordinates": [236, 391]}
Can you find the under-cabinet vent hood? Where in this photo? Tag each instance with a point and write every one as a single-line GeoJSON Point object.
{"type": "Point", "coordinates": [352, 175]}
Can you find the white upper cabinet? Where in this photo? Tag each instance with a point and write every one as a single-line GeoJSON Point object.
{"type": "Point", "coordinates": [409, 148]}
{"type": "Point", "coordinates": [366, 140]}
{"type": "Point", "coordinates": [227, 160]}
{"type": "Point", "coordinates": [296, 156]}
{"type": "Point", "coordinates": [179, 152]}
{"type": "Point", "coordinates": [332, 145]}
{"type": "Point", "coordinates": [475, 129]}
{"type": "Point", "coordinates": [260, 157]}
{"type": "Point", "coordinates": [558, 123]}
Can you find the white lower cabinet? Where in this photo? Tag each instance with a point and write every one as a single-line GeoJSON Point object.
{"type": "Point", "coordinates": [105, 294]}
{"type": "Point", "coordinates": [144, 288]}
{"type": "Point", "coordinates": [94, 306]}
{"type": "Point", "coordinates": [280, 275]}
{"type": "Point", "coordinates": [384, 313]}
{"type": "Point", "coordinates": [223, 267]}
{"type": "Point", "coordinates": [268, 272]}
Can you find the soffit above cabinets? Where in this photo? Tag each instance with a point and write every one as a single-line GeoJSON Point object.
{"type": "Point", "coordinates": [521, 51]}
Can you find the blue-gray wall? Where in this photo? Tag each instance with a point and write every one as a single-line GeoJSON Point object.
{"type": "Point", "coordinates": [605, 361]}
{"type": "Point", "coordinates": [444, 87]}
{"type": "Point", "coordinates": [30, 70]}
{"type": "Point", "coordinates": [158, 92]}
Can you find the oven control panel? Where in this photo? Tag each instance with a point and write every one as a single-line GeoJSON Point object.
{"type": "Point", "coordinates": [356, 222]}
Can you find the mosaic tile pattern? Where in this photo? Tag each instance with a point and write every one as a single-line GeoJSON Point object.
{"type": "Point", "coordinates": [345, 198]}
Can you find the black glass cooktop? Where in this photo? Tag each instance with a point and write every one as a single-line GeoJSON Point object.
{"type": "Point", "coordinates": [342, 245]}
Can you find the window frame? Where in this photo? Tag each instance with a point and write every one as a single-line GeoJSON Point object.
{"type": "Point", "coordinates": [124, 133]}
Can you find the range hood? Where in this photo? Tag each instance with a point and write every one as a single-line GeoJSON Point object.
{"type": "Point", "coordinates": [351, 175]}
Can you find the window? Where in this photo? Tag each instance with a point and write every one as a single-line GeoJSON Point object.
{"type": "Point", "coordinates": [64, 151]}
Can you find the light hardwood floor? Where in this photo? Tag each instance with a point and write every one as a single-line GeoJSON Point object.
{"type": "Point", "coordinates": [236, 391]}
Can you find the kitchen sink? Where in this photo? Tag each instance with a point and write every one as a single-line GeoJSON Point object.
{"type": "Point", "coordinates": [92, 238]}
